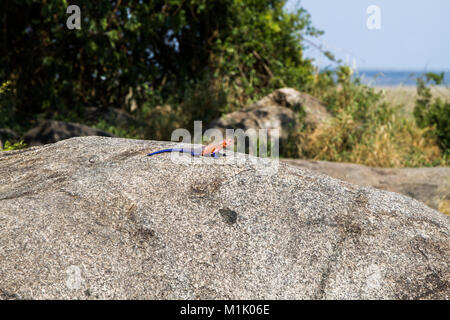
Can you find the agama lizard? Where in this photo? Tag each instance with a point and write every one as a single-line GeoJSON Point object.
{"type": "Point", "coordinates": [211, 149]}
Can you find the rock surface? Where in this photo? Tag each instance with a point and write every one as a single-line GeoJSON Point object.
{"type": "Point", "coordinates": [429, 185]}
{"type": "Point", "coordinates": [50, 131]}
{"type": "Point", "coordinates": [278, 110]}
{"type": "Point", "coordinates": [94, 217]}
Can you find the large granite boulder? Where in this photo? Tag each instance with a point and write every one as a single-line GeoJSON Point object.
{"type": "Point", "coordinates": [94, 217]}
{"type": "Point", "coordinates": [284, 109]}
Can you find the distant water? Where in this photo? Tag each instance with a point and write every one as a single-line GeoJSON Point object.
{"type": "Point", "coordinates": [395, 78]}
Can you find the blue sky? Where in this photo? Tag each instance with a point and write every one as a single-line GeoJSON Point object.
{"type": "Point", "coordinates": [414, 34]}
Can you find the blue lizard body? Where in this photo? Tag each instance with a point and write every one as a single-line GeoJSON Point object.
{"type": "Point", "coordinates": [193, 152]}
{"type": "Point", "coordinates": [212, 149]}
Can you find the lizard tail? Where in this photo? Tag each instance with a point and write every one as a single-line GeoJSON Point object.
{"type": "Point", "coordinates": [192, 152]}
{"type": "Point", "coordinates": [165, 150]}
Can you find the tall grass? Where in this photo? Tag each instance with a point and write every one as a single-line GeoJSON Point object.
{"type": "Point", "coordinates": [396, 142]}
{"type": "Point", "coordinates": [364, 129]}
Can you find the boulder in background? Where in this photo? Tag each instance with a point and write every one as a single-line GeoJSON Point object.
{"type": "Point", "coordinates": [50, 131]}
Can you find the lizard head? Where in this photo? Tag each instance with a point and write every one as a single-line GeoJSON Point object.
{"type": "Point", "coordinates": [227, 142]}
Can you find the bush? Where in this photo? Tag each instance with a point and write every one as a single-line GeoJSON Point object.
{"type": "Point", "coordinates": [6, 105]}
{"type": "Point", "coordinates": [434, 114]}
{"type": "Point", "coordinates": [13, 146]}
{"type": "Point", "coordinates": [364, 129]}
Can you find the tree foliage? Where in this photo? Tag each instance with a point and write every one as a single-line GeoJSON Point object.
{"type": "Point", "coordinates": [157, 50]}
{"type": "Point", "coordinates": [433, 113]}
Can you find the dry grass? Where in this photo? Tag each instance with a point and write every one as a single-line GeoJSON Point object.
{"type": "Point", "coordinates": [444, 206]}
{"type": "Point", "coordinates": [396, 143]}
{"type": "Point", "coordinates": [407, 95]}
{"type": "Point", "coordinates": [372, 129]}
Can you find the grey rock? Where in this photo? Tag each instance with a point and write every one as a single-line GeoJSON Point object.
{"type": "Point", "coordinates": [50, 131]}
{"type": "Point", "coordinates": [429, 185]}
{"type": "Point", "coordinates": [278, 110]}
{"type": "Point", "coordinates": [94, 217]}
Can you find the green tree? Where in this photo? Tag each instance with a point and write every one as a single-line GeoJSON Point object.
{"type": "Point", "coordinates": [161, 50]}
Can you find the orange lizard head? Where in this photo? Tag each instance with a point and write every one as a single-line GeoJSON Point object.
{"type": "Point", "coordinates": [227, 142]}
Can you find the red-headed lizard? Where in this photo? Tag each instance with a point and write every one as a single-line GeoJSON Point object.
{"type": "Point", "coordinates": [211, 149]}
